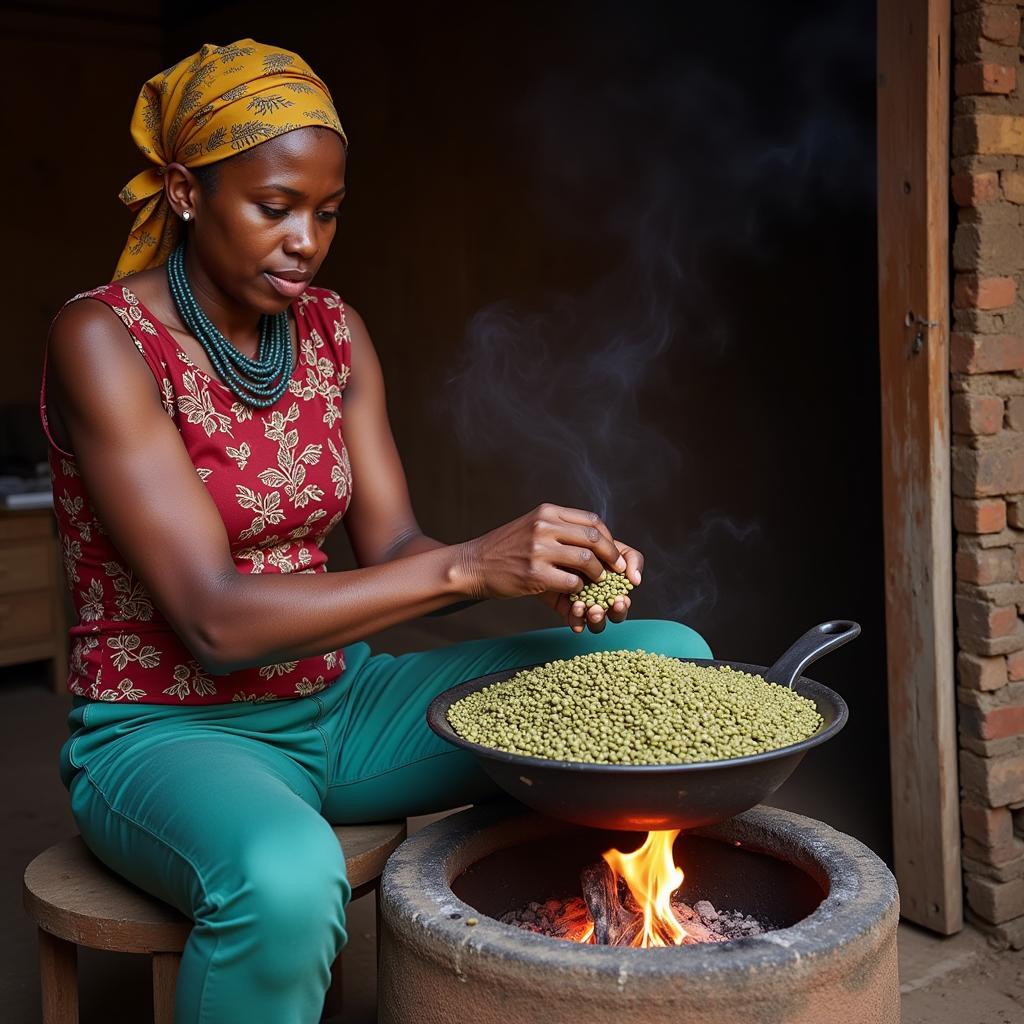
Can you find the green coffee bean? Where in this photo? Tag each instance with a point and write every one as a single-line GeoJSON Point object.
{"type": "Point", "coordinates": [603, 591]}
{"type": "Point", "coordinates": [632, 707]}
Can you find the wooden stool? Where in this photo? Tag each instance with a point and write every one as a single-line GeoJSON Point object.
{"type": "Point", "coordinates": [77, 901]}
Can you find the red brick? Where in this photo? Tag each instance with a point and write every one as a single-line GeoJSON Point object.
{"type": "Point", "coordinates": [984, 79]}
{"type": "Point", "coordinates": [1000, 723]}
{"type": "Point", "coordinates": [985, 516]}
{"type": "Point", "coordinates": [996, 901]}
{"type": "Point", "coordinates": [982, 567]}
{"type": "Point", "coordinates": [1007, 696]}
{"type": "Point", "coordinates": [985, 620]}
{"type": "Point", "coordinates": [1015, 412]}
{"type": "Point", "coordinates": [989, 647]}
{"type": "Point", "coordinates": [1003, 860]}
{"type": "Point", "coordinates": [988, 134]}
{"type": "Point", "coordinates": [975, 189]}
{"type": "Point", "coordinates": [986, 353]}
{"type": "Point", "coordinates": [973, 292]}
{"type": "Point", "coordinates": [988, 471]}
{"type": "Point", "coordinates": [1013, 186]}
{"type": "Point", "coordinates": [1006, 871]}
{"type": "Point", "coordinates": [992, 826]}
{"type": "Point", "coordinates": [998, 780]}
{"type": "Point", "coordinates": [1001, 937]}
{"type": "Point", "coordinates": [984, 674]}
{"type": "Point", "coordinates": [988, 247]}
{"type": "Point", "coordinates": [1001, 25]}
{"type": "Point", "coordinates": [1015, 665]}
{"type": "Point", "coordinates": [977, 414]}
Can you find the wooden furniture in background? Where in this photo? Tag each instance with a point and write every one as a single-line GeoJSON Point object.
{"type": "Point", "coordinates": [913, 291]}
{"type": "Point", "coordinates": [32, 616]}
{"type": "Point", "coordinates": [77, 901]}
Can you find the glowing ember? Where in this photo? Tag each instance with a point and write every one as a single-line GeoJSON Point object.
{"type": "Point", "coordinates": [628, 901]}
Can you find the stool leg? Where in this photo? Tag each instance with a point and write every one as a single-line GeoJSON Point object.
{"type": "Point", "coordinates": [58, 978]}
{"type": "Point", "coordinates": [165, 978]}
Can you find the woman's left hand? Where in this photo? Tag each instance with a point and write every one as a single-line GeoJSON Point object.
{"type": "Point", "coordinates": [577, 616]}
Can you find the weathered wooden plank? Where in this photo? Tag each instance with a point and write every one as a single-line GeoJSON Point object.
{"type": "Point", "coordinates": [913, 250]}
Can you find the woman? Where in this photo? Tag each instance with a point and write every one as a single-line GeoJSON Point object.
{"type": "Point", "coordinates": [226, 710]}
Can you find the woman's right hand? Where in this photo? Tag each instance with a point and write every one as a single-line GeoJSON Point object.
{"type": "Point", "coordinates": [552, 548]}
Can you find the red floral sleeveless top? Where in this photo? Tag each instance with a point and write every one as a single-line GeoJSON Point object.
{"type": "Point", "coordinates": [280, 477]}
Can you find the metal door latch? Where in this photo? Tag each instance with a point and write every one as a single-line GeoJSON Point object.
{"type": "Point", "coordinates": [922, 325]}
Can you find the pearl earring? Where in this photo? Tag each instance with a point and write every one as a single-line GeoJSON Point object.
{"type": "Point", "coordinates": [186, 216]}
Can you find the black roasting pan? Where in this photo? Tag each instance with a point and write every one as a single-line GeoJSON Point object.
{"type": "Point", "coordinates": [643, 797]}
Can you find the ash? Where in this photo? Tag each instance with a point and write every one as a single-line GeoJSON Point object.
{"type": "Point", "coordinates": [730, 924]}
{"type": "Point", "coordinates": [569, 918]}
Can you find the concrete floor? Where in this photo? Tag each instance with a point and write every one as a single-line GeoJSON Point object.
{"type": "Point", "coordinates": [944, 981]}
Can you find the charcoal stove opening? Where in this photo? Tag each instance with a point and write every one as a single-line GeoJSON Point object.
{"type": "Point", "coordinates": [832, 958]}
{"type": "Point", "coordinates": [729, 876]}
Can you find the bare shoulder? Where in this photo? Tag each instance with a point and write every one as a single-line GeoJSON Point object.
{"type": "Point", "coordinates": [367, 373]}
{"type": "Point", "coordinates": [91, 352]}
{"type": "Point", "coordinates": [359, 335]}
{"type": "Point", "coordinates": [355, 322]}
{"type": "Point", "coordinates": [86, 329]}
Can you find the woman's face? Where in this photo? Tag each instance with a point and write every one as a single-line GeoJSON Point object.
{"type": "Point", "coordinates": [263, 226]}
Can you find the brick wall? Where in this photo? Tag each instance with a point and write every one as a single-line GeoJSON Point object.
{"type": "Point", "coordinates": [987, 405]}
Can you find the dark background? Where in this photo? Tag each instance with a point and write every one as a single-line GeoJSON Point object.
{"type": "Point", "coordinates": [613, 256]}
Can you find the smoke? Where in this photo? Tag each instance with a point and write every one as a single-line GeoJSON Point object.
{"type": "Point", "coordinates": [697, 586]}
{"type": "Point", "coordinates": [676, 165]}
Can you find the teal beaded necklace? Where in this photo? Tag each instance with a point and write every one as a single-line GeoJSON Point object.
{"type": "Point", "coordinates": [257, 382]}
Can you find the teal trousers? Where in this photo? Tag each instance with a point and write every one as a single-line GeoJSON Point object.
{"type": "Point", "coordinates": [225, 811]}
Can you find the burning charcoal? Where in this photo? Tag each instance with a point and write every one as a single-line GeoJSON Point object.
{"type": "Point", "coordinates": [601, 895]}
{"type": "Point", "coordinates": [683, 911]}
{"type": "Point", "coordinates": [574, 921]}
{"type": "Point", "coordinates": [627, 899]}
{"type": "Point", "coordinates": [628, 932]}
{"type": "Point", "coordinates": [527, 916]}
{"type": "Point", "coordinates": [614, 924]}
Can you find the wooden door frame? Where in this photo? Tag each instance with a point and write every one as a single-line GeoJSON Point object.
{"type": "Point", "coordinates": [914, 57]}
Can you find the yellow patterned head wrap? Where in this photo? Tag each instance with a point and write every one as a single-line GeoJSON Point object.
{"type": "Point", "coordinates": [206, 108]}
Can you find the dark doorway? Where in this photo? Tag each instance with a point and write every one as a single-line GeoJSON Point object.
{"type": "Point", "coordinates": [623, 256]}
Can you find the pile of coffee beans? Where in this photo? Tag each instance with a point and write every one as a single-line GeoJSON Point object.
{"type": "Point", "coordinates": [603, 591]}
{"type": "Point", "coordinates": [632, 707]}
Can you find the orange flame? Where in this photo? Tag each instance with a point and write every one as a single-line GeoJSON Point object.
{"type": "Point", "coordinates": [652, 877]}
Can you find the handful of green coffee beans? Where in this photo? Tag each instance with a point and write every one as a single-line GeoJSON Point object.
{"type": "Point", "coordinates": [632, 707]}
{"type": "Point", "coordinates": [603, 591]}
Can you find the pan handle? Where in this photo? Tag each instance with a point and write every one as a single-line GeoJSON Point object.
{"type": "Point", "coordinates": [814, 644]}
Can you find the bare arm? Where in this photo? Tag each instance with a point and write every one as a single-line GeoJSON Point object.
{"type": "Point", "coordinates": [162, 520]}
{"type": "Point", "coordinates": [164, 523]}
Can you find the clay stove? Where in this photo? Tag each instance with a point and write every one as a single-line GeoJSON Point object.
{"type": "Point", "coordinates": [829, 954]}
